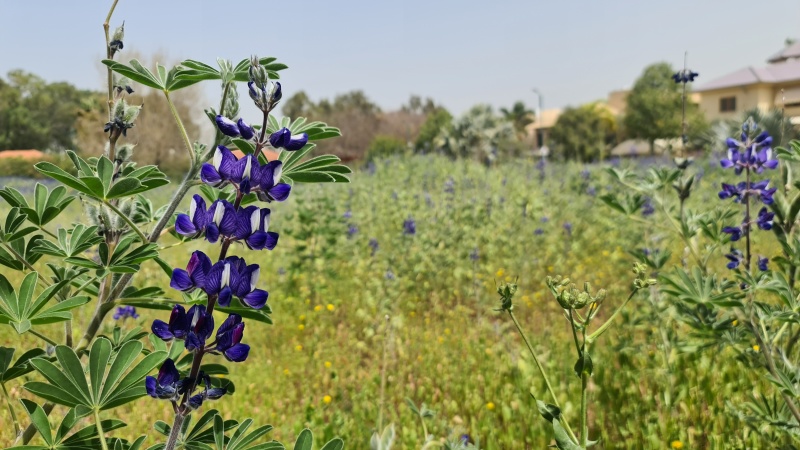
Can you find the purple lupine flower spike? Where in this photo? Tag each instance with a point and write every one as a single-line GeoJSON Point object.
{"type": "Point", "coordinates": [735, 257]}
{"type": "Point", "coordinates": [735, 232]}
{"type": "Point", "coordinates": [218, 282]}
{"type": "Point", "coordinates": [227, 126]}
{"type": "Point", "coordinates": [125, 312]}
{"type": "Point", "coordinates": [195, 222]}
{"type": "Point", "coordinates": [765, 219]}
{"type": "Point", "coordinates": [229, 338]}
{"type": "Point", "coordinates": [243, 281]}
{"type": "Point", "coordinates": [284, 138]}
{"type": "Point", "coordinates": [245, 130]}
{"type": "Point", "coordinates": [253, 228]}
{"type": "Point", "coordinates": [762, 263]}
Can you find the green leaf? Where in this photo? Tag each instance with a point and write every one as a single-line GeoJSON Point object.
{"type": "Point", "coordinates": [334, 444]}
{"type": "Point", "coordinates": [124, 187]}
{"type": "Point", "coordinates": [39, 420]}
{"type": "Point", "coordinates": [311, 177]}
{"type": "Point", "coordinates": [136, 72]}
{"type": "Point", "coordinates": [563, 441]}
{"type": "Point", "coordinates": [245, 146]}
{"type": "Point", "coordinates": [56, 173]}
{"type": "Point", "coordinates": [304, 440]}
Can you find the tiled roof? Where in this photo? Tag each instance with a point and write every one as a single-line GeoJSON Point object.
{"type": "Point", "coordinates": [792, 51]}
{"type": "Point", "coordinates": [774, 73]}
{"type": "Point", "coordinates": [24, 154]}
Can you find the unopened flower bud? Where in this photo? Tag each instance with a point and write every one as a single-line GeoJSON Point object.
{"type": "Point", "coordinates": [245, 130]}
{"type": "Point", "coordinates": [131, 113]}
{"type": "Point", "coordinates": [116, 39]}
{"type": "Point", "coordinates": [227, 126]}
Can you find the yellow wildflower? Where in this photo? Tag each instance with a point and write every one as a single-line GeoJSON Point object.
{"type": "Point", "coordinates": [318, 308]}
{"type": "Point", "coordinates": [331, 307]}
{"type": "Point", "coordinates": [676, 445]}
{"type": "Point", "coordinates": [327, 399]}
{"type": "Point", "coordinates": [302, 317]}
{"type": "Point", "coordinates": [756, 348]}
{"type": "Point", "coordinates": [286, 371]}
{"type": "Point", "coordinates": [328, 364]}
{"type": "Point", "coordinates": [299, 348]}
{"type": "Point", "coordinates": [490, 406]}
{"type": "Point", "coordinates": [500, 273]}
{"type": "Point", "coordinates": [735, 322]}
{"type": "Point", "coordinates": [301, 327]}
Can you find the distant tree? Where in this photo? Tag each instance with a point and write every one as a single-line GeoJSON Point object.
{"type": "Point", "coordinates": [298, 105]}
{"type": "Point", "coordinates": [654, 108]}
{"type": "Point", "coordinates": [417, 105]}
{"type": "Point", "coordinates": [584, 133]}
{"type": "Point", "coordinates": [769, 121]}
{"type": "Point", "coordinates": [435, 124]}
{"type": "Point", "coordinates": [385, 146]}
{"type": "Point", "coordinates": [479, 134]}
{"type": "Point", "coordinates": [519, 116]}
{"type": "Point", "coordinates": [37, 114]}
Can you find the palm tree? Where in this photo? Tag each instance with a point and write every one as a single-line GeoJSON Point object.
{"type": "Point", "coordinates": [519, 116]}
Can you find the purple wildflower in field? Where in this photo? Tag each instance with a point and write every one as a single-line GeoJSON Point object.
{"type": "Point", "coordinates": [735, 232]}
{"type": "Point", "coordinates": [762, 263]}
{"type": "Point", "coordinates": [450, 186]}
{"type": "Point", "coordinates": [545, 219]}
{"type": "Point", "coordinates": [474, 255]}
{"type": "Point", "coordinates": [246, 175]}
{"type": "Point", "coordinates": [389, 275]}
{"type": "Point", "coordinates": [735, 257]}
{"type": "Point", "coordinates": [234, 129]}
{"type": "Point", "coordinates": [538, 232]}
{"type": "Point", "coordinates": [568, 228]}
{"type": "Point", "coordinates": [352, 230]}
{"type": "Point", "coordinates": [373, 245]}
{"type": "Point", "coordinates": [684, 76]}
{"type": "Point", "coordinates": [168, 385]}
{"type": "Point", "coordinates": [586, 174]}
{"type": "Point", "coordinates": [126, 312]}
{"type": "Point", "coordinates": [647, 207]}
{"type": "Point", "coordinates": [765, 219]}
{"type": "Point", "coordinates": [759, 189]}
{"type": "Point", "coordinates": [409, 226]}
{"type": "Point", "coordinates": [347, 214]}
{"type": "Point", "coordinates": [229, 338]}
{"type": "Point", "coordinates": [591, 191]}
{"type": "Point", "coordinates": [750, 153]}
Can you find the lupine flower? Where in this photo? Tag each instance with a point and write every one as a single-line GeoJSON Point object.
{"type": "Point", "coordinates": [229, 338]}
{"type": "Point", "coordinates": [538, 231]}
{"type": "Point", "coordinates": [765, 219]}
{"type": "Point", "coordinates": [450, 186]}
{"type": "Point", "coordinates": [647, 207]}
{"type": "Point", "coordinates": [592, 192]}
{"type": "Point", "coordinates": [545, 219]}
{"type": "Point", "coordinates": [473, 255]}
{"type": "Point", "coordinates": [168, 385]}
{"type": "Point", "coordinates": [246, 174]}
{"type": "Point", "coordinates": [201, 325]}
{"type": "Point", "coordinates": [177, 328]}
{"type": "Point", "coordinates": [738, 191]}
{"type": "Point", "coordinates": [125, 312]}
{"type": "Point", "coordinates": [222, 220]}
{"type": "Point", "coordinates": [755, 154]}
{"type": "Point", "coordinates": [735, 232]}
{"type": "Point", "coordinates": [194, 276]}
{"type": "Point", "coordinates": [347, 214]}
{"type": "Point", "coordinates": [389, 275]}
{"type": "Point", "coordinates": [234, 129]}
{"type": "Point", "coordinates": [762, 263]}
{"type": "Point", "coordinates": [284, 139]}
{"type": "Point", "coordinates": [684, 76]}
{"type": "Point", "coordinates": [227, 126]}
{"type": "Point", "coordinates": [253, 228]}
{"type": "Point", "coordinates": [352, 230]}
{"type": "Point", "coordinates": [208, 393]}
{"type": "Point", "coordinates": [242, 281]}
{"type": "Point", "coordinates": [568, 228]}
{"type": "Point", "coordinates": [735, 257]}
{"type": "Point", "coordinates": [409, 226]}
{"type": "Point", "coordinates": [195, 222]}
{"type": "Point", "coordinates": [586, 174]}
{"type": "Point", "coordinates": [373, 244]}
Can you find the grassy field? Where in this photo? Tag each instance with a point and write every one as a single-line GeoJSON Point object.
{"type": "Point", "coordinates": [321, 363]}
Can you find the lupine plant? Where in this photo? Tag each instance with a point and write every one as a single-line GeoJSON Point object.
{"type": "Point", "coordinates": [96, 263]}
{"type": "Point", "coordinates": [580, 308]}
{"type": "Point", "coordinates": [728, 292]}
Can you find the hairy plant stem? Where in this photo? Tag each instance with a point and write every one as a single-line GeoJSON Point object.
{"type": "Point", "coordinates": [598, 332]}
{"type": "Point", "coordinates": [584, 395]}
{"type": "Point", "coordinates": [177, 424]}
{"type": "Point", "coordinates": [14, 418]}
{"type": "Point", "coordinates": [100, 433]}
{"type": "Point", "coordinates": [127, 220]}
{"type": "Point", "coordinates": [747, 220]}
{"type": "Point", "coordinates": [43, 337]}
{"type": "Point", "coordinates": [109, 55]}
{"type": "Point", "coordinates": [543, 374]}
{"type": "Point", "coordinates": [186, 141]}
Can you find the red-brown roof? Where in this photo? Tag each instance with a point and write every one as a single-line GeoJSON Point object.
{"type": "Point", "coordinates": [270, 154]}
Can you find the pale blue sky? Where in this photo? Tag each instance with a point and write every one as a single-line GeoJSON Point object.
{"type": "Point", "coordinates": [458, 52]}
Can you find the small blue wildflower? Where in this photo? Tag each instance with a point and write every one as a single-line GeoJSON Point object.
{"type": "Point", "coordinates": [373, 244]}
{"type": "Point", "coordinates": [568, 228]}
{"type": "Point", "coordinates": [762, 263]}
{"type": "Point", "coordinates": [347, 214]}
{"type": "Point", "coordinates": [735, 232]}
{"type": "Point", "coordinates": [647, 207]}
{"type": "Point", "coordinates": [473, 255]}
{"type": "Point", "coordinates": [735, 257]}
{"type": "Point", "coordinates": [351, 230]}
{"type": "Point", "coordinates": [125, 312]}
{"type": "Point", "coordinates": [409, 226]}
{"type": "Point", "coordinates": [389, 275]}
{"type": "Point", "coordinates": [765, 219]}
{"type": "Point", "coordinates": [538, 232]}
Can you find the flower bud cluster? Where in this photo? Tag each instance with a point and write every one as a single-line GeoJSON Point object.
{"type": "Point", "coordinates": [569, 296]}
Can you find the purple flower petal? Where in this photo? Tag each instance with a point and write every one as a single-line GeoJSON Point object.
{"type": "Point", "coordinates": [245, 130]}
{"type": "Point", "coordinates": [227, 126]}
{"type": "Point", "coordinates": [297, 142]}
{"type": "Point", "coordinates": [150, 386]}
{"type": "Point", "coordinates": [161, 329]}
{"type": "Point", "coordinates": [180, 280]}
{"type": "Point", "coordinates": [210, 175]}
{"type": "Point", "coordinates": [280, 192]}
{"type": "Point", "coordinates": [272, 240]}
{"type": "Point", "coordinates": [237, 353]}
{"type": "Point", "coordinates": [184, 225]}
{"type": "Point", "coordinates": [256, 299]}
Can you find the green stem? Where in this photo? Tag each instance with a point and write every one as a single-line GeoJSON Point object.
{"type": "Point", "coordinates": [109, 56]}
{"type": "Point", "coordinates": [43, 337]}
{"type": "Point", "coordinates": [592, 337]}
{"type": "Point", "coordinates": [100, 432]}
{"type": "Point", "coordinates": [584, 395]}
{"type": "Point", "coordinates": [543, 374]}
{"type": "Point", "coordinates": [14, 418]}
{"type": "Point", "coordinates": [186, 141]}
{"type": "Point", "coordinates": [24, 262]}
{"type": "Point", "coordinates": [127, 220]}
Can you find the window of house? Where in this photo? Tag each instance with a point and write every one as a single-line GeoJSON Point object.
{"type": "Point", "coordinates": [727, 104]}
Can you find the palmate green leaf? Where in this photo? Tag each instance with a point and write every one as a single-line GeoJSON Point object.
{"type": "Point", "coordinates": [47, 205]}
{"type": "Point", "coordinates": [136, 72]}
{"type": "Point", "coordinates": [21, 367]}
{"type": "Point", "coordinates": [336, 444]}
{"type": "Point", "coordinates": [21, 311]}
{"type": "Point", "coordinates": [699, 289]}
{"type": "Point", "coordinates": [56, 173]}
{"type": "Point", "coordinates": [108, 387]}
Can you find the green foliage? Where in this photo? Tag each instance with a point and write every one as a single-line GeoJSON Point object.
{"type": "Point", "coordinates": [654, 107]}
{"type": "Point", "coordinates": [436, 123]}
{"type": "Point", "coordinates": [479, 134]}
{"type": "Point", "coordinates": [384, 147]}
{"type": "Point", "coordinates": [584, 133]}
{"type": "Point", "coordinates": [38, 115]}
{"type": "Point", "coordinates": [519, 116]}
